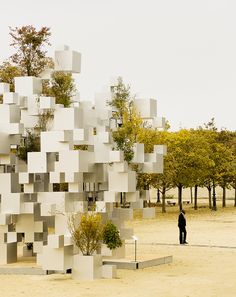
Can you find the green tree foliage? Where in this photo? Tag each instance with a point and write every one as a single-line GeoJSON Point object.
{"type": "Point", "coordinates": [31, 144]}
{"type": "Point", "coordinates": [121, 99]}
{"type": "Point", "coordinates": [226, 178]}
{"type": "Point", "coordinates": [8, 72]}
{"type": "Point", "coordinates": [61, 87]}
{"type": "Point", "coordinates": [127, 118]}
{"type": "Point", "coordinates": [111, 236]}
{"type": "Point", "coordinates": [87, 235]}
{"type": "Point", "coordinates": [30, 56]}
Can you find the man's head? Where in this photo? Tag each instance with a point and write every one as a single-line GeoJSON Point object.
{"type": "Point", "coordinates": [183, 211]}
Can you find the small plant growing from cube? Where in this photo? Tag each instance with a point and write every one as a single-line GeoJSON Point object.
{"type": "Point", "coordinates": [87, 235]}
{"type": "Point", "coordinates": [111, 236]}
{"type": "Point", "coordinates": [90, 232]}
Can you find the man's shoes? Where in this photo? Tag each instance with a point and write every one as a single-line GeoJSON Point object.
{"type": "Point", "coordinates": [185, 242]}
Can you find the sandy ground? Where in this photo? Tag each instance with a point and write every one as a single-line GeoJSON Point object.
{"type": "Point", "coordinates": [204, 268]}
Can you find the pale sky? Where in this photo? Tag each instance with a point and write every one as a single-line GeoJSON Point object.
{"type": "Point", "coordinates": [181, 52]}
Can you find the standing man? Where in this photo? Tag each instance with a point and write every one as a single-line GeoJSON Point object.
{"type": "Point", "coordinates": [182, 227]}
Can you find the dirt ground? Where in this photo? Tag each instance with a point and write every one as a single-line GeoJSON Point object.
{"type": "Point", "coordinates": [206, 267]}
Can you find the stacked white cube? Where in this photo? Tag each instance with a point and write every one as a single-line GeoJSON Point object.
{"type": "Point", "coordinates": [78, 164]}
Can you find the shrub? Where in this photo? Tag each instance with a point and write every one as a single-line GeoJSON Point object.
{"type": "Point", "coordinates": [87, 235]}
{"type": "Point", "coordinates": [90, 232]}
{"type": "Point", "coordinates": [111, 236]}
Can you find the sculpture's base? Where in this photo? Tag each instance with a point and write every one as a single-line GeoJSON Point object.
{"type": "Point", "coordinates": [139, 264]}
{"type": "Point", "coordinates": [24, 265]}
{"type": "Point", "coordinates": [28, 265]}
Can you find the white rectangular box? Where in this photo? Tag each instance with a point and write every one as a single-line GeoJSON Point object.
{"type": "Point", "coordinates": [10, 98]}
{"type": "Point", "coordinates": [74, 161]}
{"type": "Point", "coordinates": [146, 107]}
{"type": "Point", "coordinates": [5, 219]}
{"type": "Point", "coordinates": [109, 271]}
{"type": "Point", "coordinates": [4, 87]}
{"type": "Point", "coordinates": [57, 258]}
{"type": "Point", "coordinates": [132, 196]}
{"type": "Point", "coordinates": [121, 167]}
{"type": "Point", "coordinates": [55, 241]}
{"type": "Point", "coordinates": [67, 60]}
{"type": "Point", "coordinates": [159, 122]}
{"type": "Point", "coordinates": [46, 102]}
{"type": "Point", "coordinates": [26, 178]}
{"type": "Point", "coordinates": [28, 85]}
{"type": "Point", "coordinates": [110, 196]}
{"type": "Point", "coordinates": [138, 153]}
{"type": "Point", "coordinates": [54, 141]}
{"type": "Point", "coordinates": [87, 267]}
{"type": "Point", "coordinates": [8, 253]}
{"type": "Point", "coordinates": [122, 182]}
{"type": "Point", "coordinates": [9, 114]}
{"type": "Point", "coordinates": [116, 156]}
{"type": "Point", "coordinates": [37, 162]}
{"type": "Point", "coordinates": [11, 203]}
{"type": "Point", "coordinates": [160, 149]}
{"type": "Point", "coordinates": [68, 118]}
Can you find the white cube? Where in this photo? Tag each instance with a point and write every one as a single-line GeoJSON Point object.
{"type": "Point", "coordinates": [160, 149]}
{"type": "Point", "coordinates": [109, 271]}
{"type": "Point", "coordinates": [55, 241]}
{"type": "Point", "coordinates": [67, 60]}
{"type": "Point", "coordinates": [116, 156]}
{"type": "Point", "coordinates": [28, 85]}
{"type": "Point", "coordinates": [46, 102]}
{"type": "Point", "coordinates": [146, 107]}
{"type": "Point", "coordinates": [122, 182]}
{"type": "Point", "coordinates": [4, 87]}
{"type": "Point", "coordinates": [37, 162]}
{"type": "Point", "coordinates": [26, 178]}
{"type": "Point", "coordinates": [138, 153]}
{"type": "Point", "coordinates": [10, 98]}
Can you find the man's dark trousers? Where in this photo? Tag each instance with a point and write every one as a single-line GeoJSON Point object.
{"type": "Point", "coordinates": [182, 235]}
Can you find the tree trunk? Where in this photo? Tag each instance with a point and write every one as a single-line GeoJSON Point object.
{"type": "Point", "coordinates": [121, 199]}
{"type": "Point", "coordinates": [191, 195]}
{"type": "Point", "coordinates": [158, 196]}
{"type": "Point", "coordinates": [214, 196]}
{"type": "Point", "coordinates": [195, 197]}
{"type": "Point", "coordinates": [124, 199]}
{"type": "Point", "coordinates": [180, 188]}
{"type": "Point", "coordinates": [209, 196]}
{"type": "Point", "coordinates": [223, 197]}
{"type": "Point", "coordinates": [163, 199]}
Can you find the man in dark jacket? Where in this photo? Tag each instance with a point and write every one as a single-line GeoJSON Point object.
{"type": "Point", "coordinates": [182, 227]}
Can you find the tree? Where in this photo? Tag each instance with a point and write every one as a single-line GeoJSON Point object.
{"type": "Point", "coordinates": [87, 235]}
{"type": "Point", "coordinates": [161, 182]}
{"type": "Point", "coordinates": [227, 178]}
{"type": "Point", "coordinates": [61, 87]}
{"type": "Point", "coordinates": [28, 42]}
{"type": "Point", "coordinates": [127, 118]}
{"type": "Point", "coordinates": [31, 144]}
{"type": "Point", "coordinates": [121, 99]}
{"type": "Point", "coordinates": [111, 236]}
{"type": "Point", "coordinates": [8, 72]}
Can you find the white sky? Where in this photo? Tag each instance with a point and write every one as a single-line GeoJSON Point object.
{"type": "Point", "coordinates": [182, 52]}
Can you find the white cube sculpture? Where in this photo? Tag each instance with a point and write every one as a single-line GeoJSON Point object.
{"type": "Point", "coordinates": [78, 168]}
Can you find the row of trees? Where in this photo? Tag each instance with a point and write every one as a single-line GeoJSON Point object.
{"type": "Point", "coordinates": [202, 157]}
